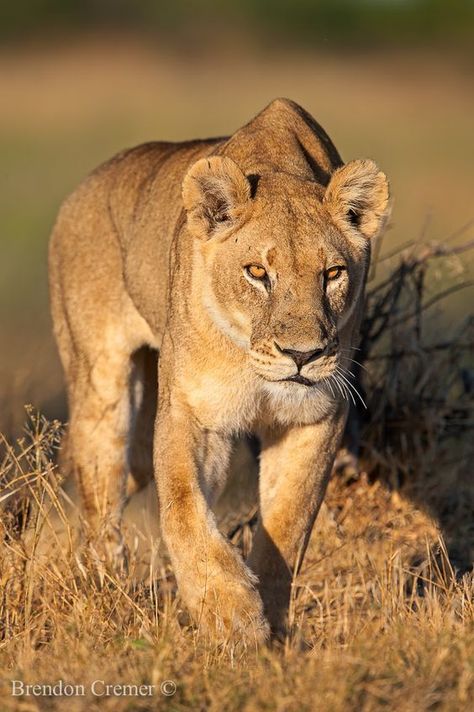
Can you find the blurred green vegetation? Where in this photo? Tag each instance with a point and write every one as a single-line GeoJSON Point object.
{"type": "Point", "coordinates": [314, 23]}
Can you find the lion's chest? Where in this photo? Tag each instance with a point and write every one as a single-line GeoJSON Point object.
{"type": "Point", "coordinates": [223, 401]}
{"type": "Point", "coordinates": [236, 402]}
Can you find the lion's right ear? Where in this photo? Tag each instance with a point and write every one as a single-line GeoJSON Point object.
{"type": "Point", "coordinates": [216, 195]}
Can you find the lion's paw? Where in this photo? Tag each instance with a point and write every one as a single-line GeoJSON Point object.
{"type": "Point", "coordinates": [227, 607]}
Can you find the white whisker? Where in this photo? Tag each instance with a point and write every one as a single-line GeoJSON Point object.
{"type": "Point", "coordinates": [352, 387]}
{"type": "Point", "coordinates": [328, 381]}
{"type": "Point", "coordinates": [355, 361]}
{"type": "Point", "coordinates": [341, 387]}
{"type": "Point", "coordinates": [348, 390]}
{"type": "Point", "coordinates": [346, 371]}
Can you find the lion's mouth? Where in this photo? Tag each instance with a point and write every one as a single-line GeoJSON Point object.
{"type": "Point", "coordinates": [298, 378]}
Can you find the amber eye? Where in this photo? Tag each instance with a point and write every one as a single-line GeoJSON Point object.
{"type": "Point", "coordinates": [333, 273]}
{"type": "Point", "coordinates": [256, 271]}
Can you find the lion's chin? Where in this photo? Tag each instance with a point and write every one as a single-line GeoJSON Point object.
{"type": "Point", "coordinates": [292, 403]}
{"type": "Point", "coordinates": [301, 380]}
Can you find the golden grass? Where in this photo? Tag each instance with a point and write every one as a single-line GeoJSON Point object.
{"type": "Point", "coordinates": [378, 617]}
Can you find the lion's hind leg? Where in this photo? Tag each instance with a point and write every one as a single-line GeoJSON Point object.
{"type": "Point", "coordinates": [97, 442]}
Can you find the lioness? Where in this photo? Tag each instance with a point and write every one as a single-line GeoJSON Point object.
{"type": "Point", "coordinates": [242, 261]}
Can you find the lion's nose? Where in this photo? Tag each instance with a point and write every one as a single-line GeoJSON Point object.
{"type": "Point", "coordinates": [301, 358]}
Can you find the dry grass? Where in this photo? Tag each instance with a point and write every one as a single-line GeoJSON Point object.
{"type": "Point", "coordinates": [380, 615]}
{"type": "Point", "coordinates": [370, 627]}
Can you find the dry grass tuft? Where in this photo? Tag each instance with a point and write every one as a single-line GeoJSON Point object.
{"type": "Point", "coordinates": [381, 615]}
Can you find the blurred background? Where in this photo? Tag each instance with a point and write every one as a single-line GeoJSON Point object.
{"type": "Point", "coordinates": [388, 79]}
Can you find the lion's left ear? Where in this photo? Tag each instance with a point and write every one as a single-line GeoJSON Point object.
{"type": "Point", "coordinates": [358, 195]}
{"type": "Point", "coordinates": [216, 194]}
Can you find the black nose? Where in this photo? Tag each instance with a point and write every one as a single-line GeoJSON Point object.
{"type": "Point", "coordinates": [301, 357]}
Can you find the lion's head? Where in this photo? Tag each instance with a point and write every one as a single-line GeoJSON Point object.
{"type": "Point", "coordinates": [283, 261]}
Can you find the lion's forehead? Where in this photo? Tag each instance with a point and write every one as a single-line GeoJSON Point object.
{"type": "Point", "coordinates": [293, 248]}
{"type": "Point", "coordinates": [285, 231]}
{"type": "Point", "coordinates": [290, 233]}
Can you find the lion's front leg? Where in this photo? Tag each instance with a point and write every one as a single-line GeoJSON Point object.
{"type": "Point", "coordinates": [213, 580]}
{"type": "Point", "coordinates": [295, 466]}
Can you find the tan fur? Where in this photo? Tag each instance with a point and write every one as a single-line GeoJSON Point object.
{"type": "Point", "coordinates": [151, 252]}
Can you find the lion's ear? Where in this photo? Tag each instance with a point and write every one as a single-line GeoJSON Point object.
{"type": "Point", "coordinates": [358, 195]}
{"type": "Point", "coordinates": [216, 195]}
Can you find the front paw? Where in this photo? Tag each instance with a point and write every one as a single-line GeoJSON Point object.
{"type": "Point", "coordinates": [224, 602]}
{"type": "Point", "coordinates": [232, 611]}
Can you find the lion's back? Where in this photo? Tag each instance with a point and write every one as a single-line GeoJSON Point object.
{"type": "Point", "coordinates": [113, 234]}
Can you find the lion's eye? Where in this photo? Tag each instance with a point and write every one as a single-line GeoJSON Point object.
{"type": "Point", "coordinates": [256, 271]}
{"type": "Point", "coordinates": [333, 273]}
